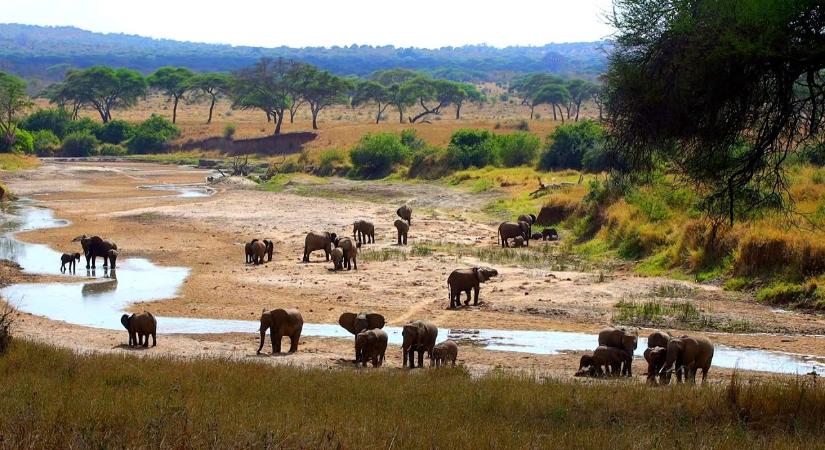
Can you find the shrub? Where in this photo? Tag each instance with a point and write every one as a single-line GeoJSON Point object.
{"type": "Point", "coordinates": [54, 120]}
{"type": "Point", "coordinates": [596, 159]}
{"type": "Point", "coordinates": [470, 148]}
{"type": "Point", "coordinates": [45, 143]}
{"type": "Point", "coordinates": [112, 150]}
{"type": "Point", "coordinates": [115, 132]}
{"type": "Point", "coordinates": [80, 144]}
{"type": "Point", "coordinates": [7, 317]}
{"type": "Point", "coordinates": [566, 147]}
{"type": "Point", "coordinates": [229, 131]}
{"type": "Point", "coordinates": [23, 143]}
{"type": "Point", "coordinates": [768, 251]}
{"type": "Point", "coordinates": [517, 149]}
{"type": "Point", "coordinates": [812, 154]}
{"type": "Point", "coordinates": [332, 162]}
{"type": "Point", "coordinates": [152, 135]}
{"type": "Point", "coordinates": [806, 295]}
{"type": "Point", "coordinates": [429, 163]}
{"type": "Point", "coordinates": [410, 139]}
{"type": "Point", "coordinates": [82, 125]}
{"type": "Point", "coordinates": [375, 154]}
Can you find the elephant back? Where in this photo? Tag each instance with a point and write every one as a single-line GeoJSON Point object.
{"type": "Point", "coordinates": [287, 320]}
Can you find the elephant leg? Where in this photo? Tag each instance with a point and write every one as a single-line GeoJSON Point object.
{"type": "Point", "coordinates": [475, 292]}
{"type": "Point", "coordinates": [154, 339]}
{"type": "Point", "coordinates": [467, 302]}
{"type": "Point", "coordinates": [355, 263]}
{"type": "Point", "coordinates": [276, 343]}
{"type": "Point", "coordinates": [293, 343]}
{"type": "Point", "coordinates": [704, 374]}
{"type": "Point", "coordinates": [146, 340]}
{"type": "Point", "coordinates": [399, 238]}
{"type": "Point", "coordinates": [421, 358]}
{"type": "Point", "coordinates": [404, 354]}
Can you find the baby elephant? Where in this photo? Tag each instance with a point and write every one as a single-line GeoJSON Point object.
{"type": "Point", "coordinates": [605, 360]}
{"type": "Point", "coordinates": [337, 256]}
{"type": "Point", "coordinates": [536, 236]}
{"type": "Point", "coordinates": [70, 259]}
{"type": "Point", "coordinates": [518, 241]}
{"type": "Point", "coordinates": [443, 352]}
{"type": "Point", "coordinates": [371, 345]}
{"type": "Point", "coordinates": [549, 234]}
{"type": "Point", "coordinates": [403, 228]}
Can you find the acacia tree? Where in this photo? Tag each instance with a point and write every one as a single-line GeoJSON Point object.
{"type": "Point", "coordinates": [104, 88]}
{"type": "Point", "coordinates": [431, 95]}
{"type": "Point", "coordinates": [60, 95]}
{"type": "Point", "coordinates": [213, 85]}
{"type": "Point", "coordinates": [319, 88]}
{"type": "Point", "coordinates": [468, 92]}
{"type": "Point", "coordinates": [555, 95]}
{"type": "Point", "coordinates": [367, 91]}
{"type": "Point", "coordinates": [580, 91]}
{"type": "Point", "coordinates": [174, 82]}
{"type": "Point", "coordinates": [265, 86]}
{"type": "Point", "coordinates": [13, 101]}
{"type": "Point", "coordinates": [718, 91]}
{"type": "Point", "coordinates": [400, 94]}
{"type": "Point", "coordinates": [528, 86]}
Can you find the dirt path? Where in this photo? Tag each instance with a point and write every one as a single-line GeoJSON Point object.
{"type": "Point", "coordinates": [207, 235]}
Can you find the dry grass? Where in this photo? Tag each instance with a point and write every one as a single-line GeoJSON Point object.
{"type": "Point", "coordinates": [768, 250]}
{"type": "Point", "coordinates": [12, 162]}
{"type": "Point", "coordinates": [57, 399]}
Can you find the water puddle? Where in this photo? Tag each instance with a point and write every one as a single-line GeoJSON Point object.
{"type": "Point", "coordinates": [99, 302]}
{"type": "Point", "coordinates": [183, 190]}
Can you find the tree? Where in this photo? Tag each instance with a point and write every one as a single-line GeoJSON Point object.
{"type": "Point", "coordinates": [528, 86]}
{"type": "Point", "coordinates": [567, 146]}
{"type": "Point", "coordinates": [393, 80]}
{"type": "Point", "coordinates": [265, 86]}
{"type": "Point", "coordinates": [13, 102]}
{"type": "Point", "coordinates": [718, 91]}
{"type": "Point", "coordinates": [174, 82]}
{"type": "Point", "coordinates": [104, 88]}
{"type": "Point", "coordinates": [213, 85]}
{"type": "Point", "coordinates": [555, 95]}
{"type": "Point", "coordinates": [580, 91]}
{"type": "Point", "coordinates": [469, 92]}
{"type": "Point", "coordinates": [367, 91]}
{"type": "Point", "coordinates": [61, 95]}
{"type": "Point", "coordinates": [319, 88]}
{"type": "Point", "coordinates": [425, 91]}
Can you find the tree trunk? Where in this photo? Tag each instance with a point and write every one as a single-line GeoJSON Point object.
{"type": "Point", "coordinates": [553, 107]}
{"type": "Point", "coordinates": [378, 114]}
{"type": "Point", "coordinates": [292, 115]}
{"type": "Point", "coordinates": [578, 107]}
{"type": "Point", "coordinates": [279, 118]}
{"type": "Point", "coordinates": [532, 107]}
{"type": "Point", "coordinates": [211, 107]}
{"type": "Point", "coordinates": [561, 114]}
{"type": "Point", "coordinates": [315, 112]}
{"type": "Point", "coordinates": [400, 115]}
{"type": "Point", "coordinates": [458, 111]}
{"type": "Point", "coordinates": [175, 109]}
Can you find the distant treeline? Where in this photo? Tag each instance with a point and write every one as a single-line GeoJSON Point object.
{"type": "Point", "coordinates": [47, 52]}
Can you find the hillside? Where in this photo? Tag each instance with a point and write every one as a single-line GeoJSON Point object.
{"type": "Point", "coordinates": [46, 52]}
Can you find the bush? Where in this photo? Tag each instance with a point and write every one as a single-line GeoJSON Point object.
{"type": "Point", "coordinates": [332, 162]}
{"type": "Point", "coordinates": [517, 149]}
{"type": "Point", "coordinates": [23, 143]}
{"type": "Point", "coordinates": [229, 131]}
{"type": "Point", "coordinates": [112, 150]}
{"type": "Point", "coordinates": [54, 120]}
{"type": "Point", "coordinates": [152, 135]}
{"type": "Point", "coordinates": [7, 317]}
{"type": "Point", "coordinates": [470, 148]}
{"type": "Point", "coordinates": [596, 159]}
{"type": "Point", "coordinates": [45, 143]}
{"type": "Point", "coordinates": [82, 125]}
{"type": "Point", "coordinates": [410, 139]}
{"type": "Point", "coordinates": [568, 144]}
{"type": "Point", "coordinates": [812, 154]}
{"type": "Point", "coordinates": [429, 163]}
{"type": "Point", "coordinates": [375, 154]}
{"type": "Point", "coordinates": [80, 144]}
{"type": "Point", "coordinates": [115, 132]}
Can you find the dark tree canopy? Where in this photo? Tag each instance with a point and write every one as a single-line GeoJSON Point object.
{"type": "Point", "coordinates": [265, 86]}
{"type": "Point", "coordinates": [13, 101]}
{"type": "Point", "coordinates": [213, 85]}
{"type": "Point", "coordinates": [174, 82]}
{"type": "Point", "coordinates": [719, 91]}
{"type": "Point", "coordinates": [103, 88]}
{"type": "Point", "coordinates": [319, 88]}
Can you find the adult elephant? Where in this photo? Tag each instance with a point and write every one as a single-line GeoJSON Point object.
{"type": "Point", "coordinates": [509, 230]}
{"type": "Point", "coordinates": [140, 327]}
{"type": "Point", "coordinates": [403, 228]}
{"type": "Point", "coordinates": [95, 246]}
{"type": "Point", "coordinates": [350, 250]}
{"type": "Point", "coordinates": [686, 355]}
{"type": "Point", "coordinates": [281, 322]}
{"type": "Point", "coordinates": [465, 280]}
{"type": "Point", "coordinates": [418, 336]}
{"type": "Point", "coordinates": [363, 232]}
{"type": "Point", "coordinates": [370, 345]}
{"type": "Point", "coordinates": [530, 219]}
{"type": "Point", "coordinates": [356, 323]}
{"type": "Point", "coordinates": [405, 213]}
{"type": "Point", "coordinates": [658, 339]}
{"type": "Point", "coordinates": [318, 241]}
{"type": "Point", "coordinates": [656, 358]}
{"type": "Point", "coordinates": [261, 249]}
{"type": "Point", "coordinates": [623, 338]}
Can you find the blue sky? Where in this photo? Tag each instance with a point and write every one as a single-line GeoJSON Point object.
{"type": "Point", "coordinates": [298, 23]}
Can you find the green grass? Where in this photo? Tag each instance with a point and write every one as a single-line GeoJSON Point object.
{"type": "Point", "coordinates": [680, 315]}
{"type": "Point", "coordinates": [801, 296]}
{"type": "Point", "coordinates": [384, 254]}
{"type": "Point", "coordinates": [57, 399]}
{"type": "Point", "coordinates": [537, 255]}
{"type": "Point", "coordinates": [12, 162]}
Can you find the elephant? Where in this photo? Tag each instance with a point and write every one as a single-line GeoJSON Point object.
{"type": "Point", "coordinates": [70, 259]}
{"type": "Point", "coordinates": [464, 280]}
{"type": "Point", "coordinates": [518, 242]}
{"type": "Point", "coordinates": [403, 228]}
{"type": "Point", "coordinates": [658, 339]}
{"type": "Point", "coordinates": [143, 325]}
{"type": "Point", "coordinates": [549, 234]}
{"type": "Point", "coordinates": [248, 250]}
{"type": "Point", "coordinates": [356, 323]}
{"type": "Point", "coordinates": [260, 249]}
{"type": "Point", "coordinates": [363, 232]}
{"type": "Point", "coordinates": [95, 246]}
{"type": "Point", "coordinates": [530, 219]}
{"type": "Point", "coordinates": [337, 256]}
{"type": "Point", "coordinates": [350, 250]}
{"type": "Point", "coordinates": [112, 259]}
{"type": "Point", "coordinates": [370, 345]}
{"type": "Point", "coordinates": [281, 322]}
{"type": "Point", "coordinates": [610, 358]}
{"type": "Point", "coordinates": [318, 241]}
{"type": "Point", "coordinates": [444, 352]}
{"type": "Point", "coordinates": [405, 213]}
{"type": "Point", "coordinates": [686, 355]}
{"type": "Point", "coordinates": [418, 336]}
{"type": "Point", "coordinates": [655, 357]}
{"type": "Point", "coordinates": [622, 338]}
{"type": "Point", "coordinates": [509, 230]}
{"type": "Point", "coordinates": [536, 236]}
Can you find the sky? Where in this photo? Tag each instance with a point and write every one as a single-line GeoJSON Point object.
{"type": "Point", "coordinates": [301, 23]}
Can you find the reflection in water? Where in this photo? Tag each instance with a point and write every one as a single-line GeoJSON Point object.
{"type": "Point", "coordinates": [99, 304]}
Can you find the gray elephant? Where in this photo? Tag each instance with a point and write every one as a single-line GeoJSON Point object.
{"type": "Point", "coordinates": [604, 361]}
{"type": "Point", "coordinates": [318, 241]}
{"type": "Point", "coordinates": [93, 247]}
{"type": "Point", "coordinates": [536, 236]}
{"type": "Point", "coordinates": [261, 249]}
{"type": "Point", "coordinates": [403, 228]}
{"type": "Point", "coordinates": [356, 323]}
{"type": "Point", "coordinates": [656, 358]}
{"type": "Point", "coordinates": [658, 339]}
{"type": "Point", "coordinates": [549, 234]}
{"type": "Point", "coordinates": [112, 255]}
{"type": "Point", "coordinates": [518, 242]}
{"type": "Point", "coordinates": [141, 325]}
{"type": "Point", "coordinates": [686, 355]}
{"type": "Point", "coordinates": [281, 322]}
{"type": "Point", "coordinates": [623, 338]}
{"type": "Point", "coordinates": [405, 213]}
{"type": "Point", "coordinates": [465, 280]}
{"type": "Point", "coordinates": [350, 250]}
{"type": "Point", "coordinates": [509, 230]}
{"type": "Point", "coordinates": [530, 219]}
{"type": "Point", "coordinates": [337, 257]}
{"type": "Point", "coordinates": [444, 352]}
{"type": "Point", "coordinates": [370, 345]}
{"type": "Point", "coordinates": [70, 259]}
{"type": "Point", "coordinates": [363, 232]}
{"type": "Point", "coordinates": [418, 336]}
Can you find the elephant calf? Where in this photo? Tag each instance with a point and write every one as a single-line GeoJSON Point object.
{"type": "Point", "coordinates": [143, 325]}
{"type": "Point", "coordinates": [405, 213]}
{"type": "Point", "coordinates": [518, 242]}
{"type": "Point", "coordinates": [403, 228]}
{"type": "Point", "coordinates": [281, 322]}
{"type": "Point", "coordinates": [465, 280]}
{"type": "Point", "coordinates": [626, 339]}
{"type": "Point", "coordinates": [363, 232]}
{"type": "Point", "coordinates": [605, 360]}
{"type": "Point", "coordinates": [350, 251]}
{"type": "Point", "coordinates": [71, 259]}
{"type": "Point", "coordinates": [549, 234]}
{"type": "Point", "coordinates": [509, 230]}
{"type": "Point", "coordinates": [337, 257]}
{"type": "Point", "coordinates": [371, 345]}
{"type": "Point", "coordinates": [656, 358]}
{"type": "Point", "coordinates": [444, 352]}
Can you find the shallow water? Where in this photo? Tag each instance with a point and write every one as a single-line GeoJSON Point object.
{"type": "Point", "coordinates": [101, 302]}
{"type": "Point", "coordinates": [183, 190]}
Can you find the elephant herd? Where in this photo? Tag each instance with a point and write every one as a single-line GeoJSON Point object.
{"type": "Point", "coordinates": [521, 232]}
{"type": "Point", "coordinates": [93, 247]}
{"type": "Point", "coordinates": [664, 355]}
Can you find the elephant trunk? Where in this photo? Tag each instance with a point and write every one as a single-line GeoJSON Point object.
{"type": "Point", "coordinates": [263, 338]}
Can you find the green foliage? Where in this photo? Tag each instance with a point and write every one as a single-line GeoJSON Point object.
{"type": "Point", "coordinates": [429, 163]}
{"type": "Point", "coordinates": [174, 82]}
{"type": "Point", "coordinates": [84, 124]}
{"type": "Point", "coordinates": [229, 131]}
{"type": "Point", "coordinates": [470, 148]}
{"type": "Point", "coordinates": [812, 153]}
{"type": "Point", "coordinates": [54, 120]}
{"type": "Point", "coordinates": [517, 149]}
{"type": "Point", "coordinates": [409, 137]}
{"type": "Point", "coordinates": [803, 296]}
{"type": "Point", "coordinates": [112, 150]}
{"type": "Point", "coordinates": [152, 135]}
{"type": "Point", "coordinates": [104, 88]}
{"type": "Point", "coordinates": [13, 102]}
{"type": "Point", "coordinates": [23, 143]}
{"type": "Point", "coordinates": [212, 85]}
{"type": "Point", "coordinates": [319, 88]}
{"type": "Point", "coordinates": [375, 154]}
{"type": "Point", "coordinates": [79, 144]}
{"type": "Point", "coordinates": [333, 162]}
{"type": "Point", "coordinates": [45, 143]}
{"type": "Point", "coordinates": [567, 146]}
{"type": "Point", "coordinates": [115, 132]}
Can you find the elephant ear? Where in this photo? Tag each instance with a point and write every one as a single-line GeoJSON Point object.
{"type": "Point", "coordinates": [124, 320]}
{"type": "Point", "coordinates": [479, 274]}
{"type": "Point", "coordinates": [375, 320]}
{"type": "Point", "coordinates": [347, 320]}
